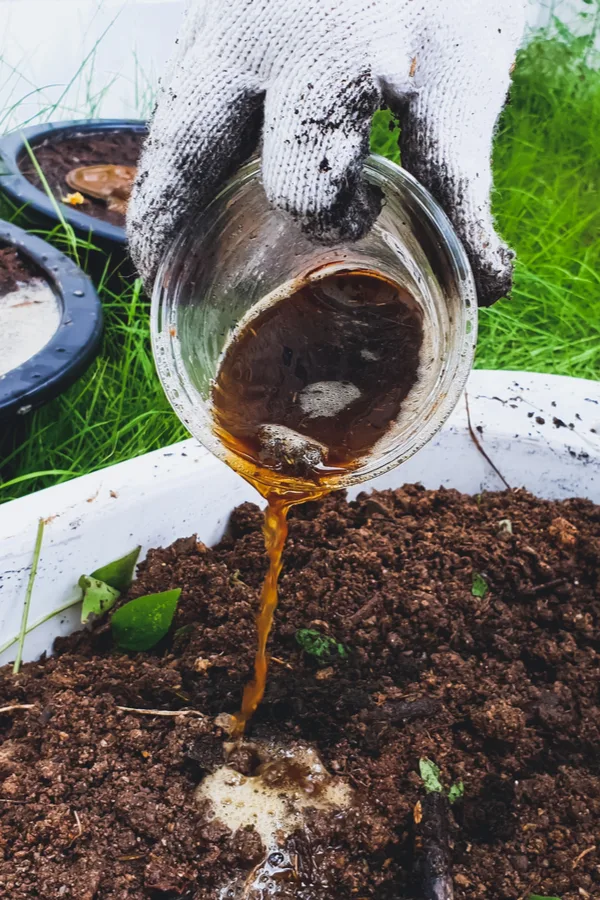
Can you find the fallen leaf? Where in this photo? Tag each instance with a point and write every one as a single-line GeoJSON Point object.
{"type": "Point", "coordinates": [119, 573]}
{"type": "Point", "coordinates": [480, 585]}
{"type": "Point", "coordinates": [456, 792]}
{"type": "Point", "coordinates": [140, 624]}
{"type": "Point", "coordinates": [430, 774]}
{"type": "Point", "coordinates": [321, 646]}
{"type": "Point", "coordinates": [98, 598]}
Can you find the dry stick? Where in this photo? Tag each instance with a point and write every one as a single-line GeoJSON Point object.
{"type": "Point", "coordinates": [435, 832]}
{"type": "Point", "coordinates": [7, 709]}
{"type": "Point", "coordinates": [162, 712]}
{"type": "Point", "coordinates": [582, 855]}
{"type": "Point", "coordinates": [479, 446]}
{"type": "Point", "coordinates": [29, 591]}
{"type": "Point", "coordinates": [547, 586]}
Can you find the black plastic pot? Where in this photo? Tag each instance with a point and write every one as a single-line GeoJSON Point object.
{"type": "Point", "coordinates": [40, 210]}
{"type": "Point", "coordinates": [74, 344]}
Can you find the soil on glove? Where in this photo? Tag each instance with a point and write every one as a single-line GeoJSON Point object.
{"type": "Point", "coordinates": [57, 157]}
{"type": "Point", "coordinates": [498, 687]}
{"type": "Point", "coordinates": [14, 270]}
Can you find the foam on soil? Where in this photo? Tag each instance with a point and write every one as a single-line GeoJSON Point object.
{"type": "Point", "coordinates": [272, 801]}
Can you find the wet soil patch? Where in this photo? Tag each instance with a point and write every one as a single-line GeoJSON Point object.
{"type": "Point", "coordinates": [58, 156]}
{"type": "Point", "coordinates": [14, 270]}
{"type": "Point", "coordinates": [471, 636]}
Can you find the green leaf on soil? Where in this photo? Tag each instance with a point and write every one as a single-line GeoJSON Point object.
{"type": "Point", "coordinates": [98, 598]}
{"type": "Point", "coordinates": [141, 623]}
{"type": "Point", "coordinates": [119, 574]}
{"type": "Point", "coordinates": [456, 792]}
{"type": "Point", "coordinates": [480, 585]}
{"type": "Point", "coordinates": [539, 897]}
{"type": "Point", "coordinates": [430, 774]}
{"type": "Point", "coordinates": [321, 646]}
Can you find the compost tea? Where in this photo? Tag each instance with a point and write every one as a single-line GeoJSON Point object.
{"type": "Point", "coordinates": [412, 624]}
{"type": "Point", "coordinates": [306, 389]}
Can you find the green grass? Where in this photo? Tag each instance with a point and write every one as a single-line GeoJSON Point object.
{"type": "Point", "coordinates": [546, 204]}
{"type": "Point", "coordinates": [547, 207]}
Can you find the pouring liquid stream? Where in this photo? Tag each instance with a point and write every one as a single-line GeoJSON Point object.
{"type": "Point", "coordinates": [304, 392]}
{"type": "Point", "coordinates": [275, 530]}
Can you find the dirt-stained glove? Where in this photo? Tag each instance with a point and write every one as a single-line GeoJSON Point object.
{"type": "Point", "coordinates": [311, 73]}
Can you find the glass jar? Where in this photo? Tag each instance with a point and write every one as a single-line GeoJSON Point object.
{"type": "Point", "coordinates": [240, 251]}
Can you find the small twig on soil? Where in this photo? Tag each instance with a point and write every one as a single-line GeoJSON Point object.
{"type": "Point", "coordinates": [434, 828]}
{"type": "Point", "coordinates": [282, 662]}
{"type": "Point", "coordinates": [479, 446]}
{"type": "Point", "coordinates": [364, 611]}
{"type": "Point", "coordinates": [3, 800]}
{"type": "Point", "coordinates": [15, 706]}
{"type": "Point", "coordinates": [162, 712]}
{"type": "Point", "coordinates": [79, 828]}
{"type": "Point", "coordinates": [34, 566]}
{"type": "Point", "coordinates": [582, 855]}
{"type": "Point", "coordinates": [548, 586]}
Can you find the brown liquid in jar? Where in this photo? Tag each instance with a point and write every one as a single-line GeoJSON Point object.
{"type": "Point", "coordinates": [303, 394]}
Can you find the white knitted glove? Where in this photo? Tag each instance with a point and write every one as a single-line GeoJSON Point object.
{"type": "Point", "coordinates": [315, 71]}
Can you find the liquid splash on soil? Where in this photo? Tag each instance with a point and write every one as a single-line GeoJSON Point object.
{"type": "Point", "coordinates": [272, 799]}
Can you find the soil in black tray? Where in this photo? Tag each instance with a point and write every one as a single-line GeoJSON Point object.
{"type": "Point", "coordinates": [14, 270]}
{"type": "Point", "coordinates": [413, 624]}
{"type": "Point", "coordinates": [29, 312]}
{"type": "Point", "coordinates": [59, 156]}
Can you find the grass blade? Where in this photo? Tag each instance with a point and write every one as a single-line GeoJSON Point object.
{"type": "Point", "coordinates": [34, 567]}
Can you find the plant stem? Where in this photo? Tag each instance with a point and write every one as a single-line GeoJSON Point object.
{"type": "Point", "coordinates": [28, 593]}
{"type": "Point", "coordinates": [38, 622]}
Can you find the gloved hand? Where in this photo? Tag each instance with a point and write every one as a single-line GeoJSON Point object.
{"type": "Point", "coordinates": [311, 73]}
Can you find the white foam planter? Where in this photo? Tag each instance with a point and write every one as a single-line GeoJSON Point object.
{"type": "Point", "coordinates": [542, 432]}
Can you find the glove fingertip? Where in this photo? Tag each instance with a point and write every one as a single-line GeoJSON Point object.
{"type": "Point", "coordinates": [350, 217]}
{"type": "Point", "coordinates": [493, 280]}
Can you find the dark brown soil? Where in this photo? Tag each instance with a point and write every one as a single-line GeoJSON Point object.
{"type": "Point", "coordinates": [501, 691]}
{"type": "Point", "coordinates": [14, 270]}
{"type": "Point", "coordinates": [58, 157]}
